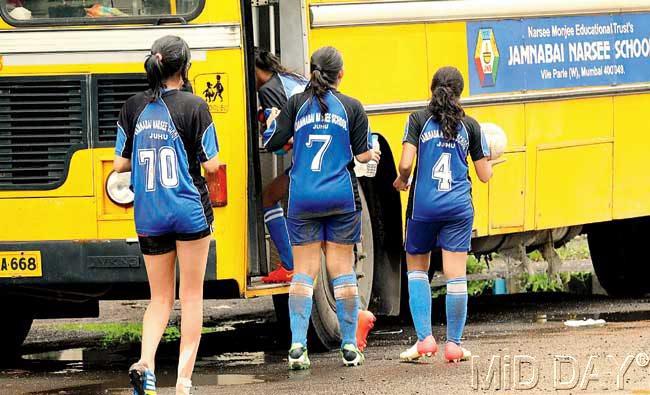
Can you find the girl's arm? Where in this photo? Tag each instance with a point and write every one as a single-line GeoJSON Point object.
{"type": "Point", "coordinates": [369, 155]}
{"type": "Point", "coordinates": [279, 128]}
{"type": "Point", "coordinates": [212, 165]}
{"type": "Point", "coordinates": [121, 164]}
{"type": "Point", "coordinates": [405, 166]}
{"type": "Point", "coordinates": [483, 169]}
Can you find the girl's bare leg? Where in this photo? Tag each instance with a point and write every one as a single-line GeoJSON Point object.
{"type": "Point", "coordinates": [192, 260]}
{"type": "Point", "coordinates": [162, 280]}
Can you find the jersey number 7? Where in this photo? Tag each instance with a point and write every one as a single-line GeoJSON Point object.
{"type": "Point", "coordinates": [325, 139]}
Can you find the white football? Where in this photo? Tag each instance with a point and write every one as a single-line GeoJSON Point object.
{"type": "Point", "coordinates": [496, 139]}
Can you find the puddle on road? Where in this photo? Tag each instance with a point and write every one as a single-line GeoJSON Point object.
{"type": "Point", "coordinates": [618, 316]}
{"type": "Point", "coordinates": [119, 385]}
{"type": "Point", "coordinates": [232, 359]}
{"type": "Point", "coordinates": [90, 366]}
{"type": "Point", "coordinates": [230, 379]}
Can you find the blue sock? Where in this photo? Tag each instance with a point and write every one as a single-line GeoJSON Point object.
{"type": "Point", "coordinates": [346, 294]}
{"type": "Point", "coordinates": [277, 225]}
{"type": "Point", "coordinates": [300, 301]}
{"type": "Point", "coordinates": [456, 306]}
{"type": "Point", "coordinates": [420, 302]}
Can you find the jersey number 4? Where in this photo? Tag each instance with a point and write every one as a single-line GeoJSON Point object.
{"type": "Point", "coordinates": [165, 161]}
{"type": "Point", "coordinates": [325, 139]}
{"type": "Point", "coordinates": [442, 172]}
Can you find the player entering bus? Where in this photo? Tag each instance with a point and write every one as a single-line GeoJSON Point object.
{"type": "Point", "coordinates": [329, 130]}
{"type": "Point", "coordinates": [275, 85]}
{"type": "Point", "coordinates": [164, 136]}
{"type": "Point", "coordinates": [440, 211]}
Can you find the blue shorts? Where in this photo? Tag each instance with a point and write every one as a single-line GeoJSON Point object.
{"type": "Point", "coordinates": [454, 235]}
{"type": "Point", "coordinates": [339, 229]}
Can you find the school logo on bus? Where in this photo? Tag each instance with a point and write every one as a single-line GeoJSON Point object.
{"type": "Point", "coordinates": [486, 57]}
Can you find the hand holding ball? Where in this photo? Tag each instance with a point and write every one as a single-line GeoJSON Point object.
{"type": "Point", "coordinates": [496, 139]}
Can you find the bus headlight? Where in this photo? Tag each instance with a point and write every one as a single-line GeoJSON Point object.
{"type": "Point", "coordinates": [118, 188]}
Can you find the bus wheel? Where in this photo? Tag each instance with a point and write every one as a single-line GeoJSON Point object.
{"type": "Point", "coordinates": [325, 325]}
{"type": "Point", "coordinates": [618, 256]}
{"type": "Point", "coordinates": [13, 332]}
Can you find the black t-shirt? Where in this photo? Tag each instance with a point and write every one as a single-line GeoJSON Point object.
{"type": "Point", "coordinates": [272, 94]}
{"type": "Point", "coordinates": [191, 120]}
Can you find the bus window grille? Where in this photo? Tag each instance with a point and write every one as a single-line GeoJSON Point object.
{"type": "Point", "coordinates": [42, 122]}
{"type": "Point", "coordinates": [112, 92]}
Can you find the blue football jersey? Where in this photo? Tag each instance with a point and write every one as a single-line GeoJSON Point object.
{"type": "Point", "coordinates": [441, 188]}
{"type": "Point", "coordinates": [275, 93]}
{"type": "Point", "coordinates": [277, 90]}
{"type": "Point", "coordinates": [171, 196]}
{"type": "Point", "coordinates": [322, 181]}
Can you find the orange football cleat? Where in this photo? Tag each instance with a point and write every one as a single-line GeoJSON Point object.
{"type": "Point", "coordinates": [364, 326]}
{"type": "Point", "coordinates": [279, 275]}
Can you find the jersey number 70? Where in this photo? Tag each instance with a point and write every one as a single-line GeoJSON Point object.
{"type": "Point", "coordinates": [167, 163]}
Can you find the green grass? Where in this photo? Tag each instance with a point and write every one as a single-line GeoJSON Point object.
{"type": "Point", "coordinates": [123, 333]}
{"type": "Point", "coordinates": [541, 282]}
{"type": "Point", "coordinates": [576, 249]}
{"type": "Point", "coordinates": [474, 287]}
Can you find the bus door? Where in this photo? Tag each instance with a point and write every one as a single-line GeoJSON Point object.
{"type": "Point", "coordinates": [278, 27]}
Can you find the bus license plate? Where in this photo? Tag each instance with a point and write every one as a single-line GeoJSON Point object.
{"type": "Point", "coordinates": [20, 264]}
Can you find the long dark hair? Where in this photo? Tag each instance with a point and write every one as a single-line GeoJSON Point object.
{"type": "Point", "coordinates": [326, 63]}
{"type": "Point", "coordinates": [267, 61]}
{"type": "Point", "coordinates": [446, 87]}
{"type": "Point", "coordinates": [169, 55]}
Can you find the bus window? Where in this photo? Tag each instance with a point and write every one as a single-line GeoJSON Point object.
{"type": "Point", "coordinates": [59, 12]}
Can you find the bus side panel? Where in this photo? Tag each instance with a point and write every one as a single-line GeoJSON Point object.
{"type": "Point", "coordinates": [29, 219]}
{"type": "Point", "coordinates": [383, 64]}
{"type": "Point", "coordinates": [509, 183]}
{"type": "Point", "coordinates": [446, 46]}
{"type": "Point", "coordinates": [574, 185]}
{"type": "Point", "coordinates": [631, 146]}
{"type": "Point", "coordinates": [563, 125]}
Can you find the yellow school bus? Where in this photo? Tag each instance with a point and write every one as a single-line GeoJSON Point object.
{"type": "Point", "coordinates": [566, 83]}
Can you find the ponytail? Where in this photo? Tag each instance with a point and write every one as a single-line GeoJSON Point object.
{"type": "Point", "coordinates": [326, 63]}
{"type": "Point", "coordinates": [267, 61]}
{"type": "Point", "coordinates": [170, 55]}
{"type": "Point", "coordinates": [446, 88]}
{"type": "Point", "coordinates": [155, 74]}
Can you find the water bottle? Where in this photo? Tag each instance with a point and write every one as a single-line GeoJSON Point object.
{"type": "Point", "coordinates": [371, 169]}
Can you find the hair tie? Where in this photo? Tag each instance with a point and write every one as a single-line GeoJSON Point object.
{"type": "Point", "coordinates": [316, 67]}
{"type": "Point", "coordinates": [158, 56]}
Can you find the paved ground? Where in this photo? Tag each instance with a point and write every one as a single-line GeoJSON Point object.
{"type": "Point", "coordinates": [245, 355]}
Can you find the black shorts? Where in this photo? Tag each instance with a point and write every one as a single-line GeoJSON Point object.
{"type": "Point", "coordinates": [162, 244]}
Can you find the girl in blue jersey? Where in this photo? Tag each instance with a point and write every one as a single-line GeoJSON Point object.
{"type": "Point", "coordinates": [164, 136]}
{"type": "Point", "coordinates": [440, 211]}
{"type": "Point", "coordinates": [275, 85]}
{"type": "Point", "coordinates": [329, 130]}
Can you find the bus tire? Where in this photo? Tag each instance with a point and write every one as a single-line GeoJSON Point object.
{"type": "Point", "coordinates": [326, 334]}
{"type": "Point", "coordinates": [13, 332]}
{"type": "Point", "coordinates": [618, 257]}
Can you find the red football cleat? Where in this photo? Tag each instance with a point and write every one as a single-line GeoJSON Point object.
{"type": "Point", "coordinates": [424, 348]}
{"type": "Point", "coordinates": [456, 353]}
{"type": "Point", "coordinates": [364, 326]}
{"type": "Point", "coordinates": [279, 275]}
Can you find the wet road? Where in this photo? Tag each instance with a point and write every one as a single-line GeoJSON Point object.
{"type": "Point", "coordinates": [524, 332]}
